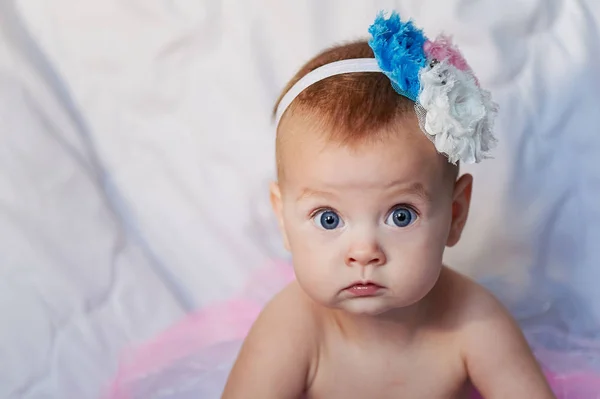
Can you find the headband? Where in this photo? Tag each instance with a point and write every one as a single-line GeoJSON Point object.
{"type": "Point", "coordinates": [454, 112]}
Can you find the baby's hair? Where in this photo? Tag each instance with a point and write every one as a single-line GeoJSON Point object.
{"type": "Point", "coordinates": [352, 108]}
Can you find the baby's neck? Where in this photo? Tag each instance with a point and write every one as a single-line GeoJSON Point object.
{"type": "Point", "coordinates": [398, 325]}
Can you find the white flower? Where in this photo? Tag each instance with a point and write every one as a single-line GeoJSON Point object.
{"type": "Point", "coordinates": [459, 115]}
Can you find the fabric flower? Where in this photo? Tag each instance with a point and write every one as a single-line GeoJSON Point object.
{"type": "Point", "coordinates": [458, 114]}
{"type": "Point", "coordinates": [453, 111]}
{"type": "Point", "coordinates": [442, 49]}
{"type": "Point", "coordinates": [398, 48]}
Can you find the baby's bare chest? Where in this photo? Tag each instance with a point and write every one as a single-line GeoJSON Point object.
{"type": "Point", "coordinates": [425, 370]}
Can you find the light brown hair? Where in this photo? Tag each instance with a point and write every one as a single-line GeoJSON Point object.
{"type": "Point", "coordinates": [353, 104]}
{"type": "Point", "coordinates": [353, 107]}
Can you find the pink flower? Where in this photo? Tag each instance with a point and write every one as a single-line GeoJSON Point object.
{"type": "Point", "coordinates": [442, 49]}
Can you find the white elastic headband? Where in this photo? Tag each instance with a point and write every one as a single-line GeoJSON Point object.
{"type": "Point", "coordinates": [324, 72]}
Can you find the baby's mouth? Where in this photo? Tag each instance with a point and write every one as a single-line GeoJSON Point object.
{"type": "Point", "coordinates": [364, 289]}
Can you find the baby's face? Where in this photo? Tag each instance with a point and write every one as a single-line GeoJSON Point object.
{"type": "Point", "coordinates": [367, 226]}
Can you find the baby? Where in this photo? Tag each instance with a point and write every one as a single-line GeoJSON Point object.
{"type": "Point", "coordinates": [369, 138]}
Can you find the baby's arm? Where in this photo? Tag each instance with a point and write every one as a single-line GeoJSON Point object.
{"type": "Point", "coordinates": [275, 359]}
{"type": "Point", "coordinates": [498, 359]}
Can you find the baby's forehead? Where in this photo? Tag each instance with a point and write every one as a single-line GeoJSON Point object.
{"type": "Point", "coordinates": [311, 133]}
{"type": "Point", "coordinates": [309, 154]}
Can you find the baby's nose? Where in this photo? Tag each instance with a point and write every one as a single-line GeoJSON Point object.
{"type": "Point", "coordinates": [365, 254]}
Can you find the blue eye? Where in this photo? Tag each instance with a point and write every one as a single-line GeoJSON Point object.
{"type": "Point", "coordinates": [401, 217]}
{"type": "Point", "coordinates": [327, 219]}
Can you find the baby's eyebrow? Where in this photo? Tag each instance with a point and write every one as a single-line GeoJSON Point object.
{"type": "Point", "coordinates": [416, 189]}
{"type": "Point", "coordinates": [309, 192]}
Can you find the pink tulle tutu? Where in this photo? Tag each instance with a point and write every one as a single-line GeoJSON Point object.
{"type": "Point", "coordinates": [193, 358]}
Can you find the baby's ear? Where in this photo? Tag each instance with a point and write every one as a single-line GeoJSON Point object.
{"type": "Point", "coordinates": [461, 201]}
{"type": "Point", "coordinates": [276, 203]}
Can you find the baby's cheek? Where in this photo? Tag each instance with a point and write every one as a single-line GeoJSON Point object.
{"type": "Point", "coordinates": [416, 262]}
{"type": "Point", "coordinates": [314, 271]}
{"type": "Point", "coordinates": [314, 283]}
{"type": "Point", "coordinates": [432, 237]}
{"type": "Point", "coordinates": [312, 263]}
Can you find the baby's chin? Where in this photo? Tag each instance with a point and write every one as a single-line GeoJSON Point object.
{"type": "Point", "coordinates": [375, 306]}
{"type": "Point", "coordinates": [365, 306]}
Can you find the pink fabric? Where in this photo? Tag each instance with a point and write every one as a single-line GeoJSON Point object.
{"type": "Point", "coordinates": [228, 321]}
{"type": "Point", "coordinates": [576, 385]}
{"type": "Point", "coordinates": [443, 49]}
{"type": "Point", "coordinates": [224, 322]}
{"type": "Point", "coordinates": [190, 361]}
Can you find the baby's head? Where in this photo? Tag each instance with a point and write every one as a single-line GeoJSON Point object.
{"type": "Point", "coordinates": [363, 195]}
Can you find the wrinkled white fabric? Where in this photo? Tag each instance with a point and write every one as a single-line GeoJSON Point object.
{"type": "Point", "coordinates": [136, 148]}
{"type": "Point", "coordinates": [458, 115]}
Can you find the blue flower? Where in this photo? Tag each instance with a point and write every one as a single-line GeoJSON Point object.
{"type": "Point", "coordinates": [398, 48]}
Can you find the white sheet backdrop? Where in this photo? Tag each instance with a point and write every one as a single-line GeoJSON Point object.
{"type": "Point", "coordinates": [136, 148]}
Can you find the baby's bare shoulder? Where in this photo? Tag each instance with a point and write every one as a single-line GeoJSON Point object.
{"type": "Point", "coordinates": [294, 306]}
{"type": "Point", "coordinates": [495, 353]}
{"type": "Point", "coordinates": [465, 308]}
{"type": "Point", "coordinates": [276, 359]}
{"type": "Point", "coordinates": [291, 314]}
{"type": "Point", "coordinates": [472, 300]}
{"type": "Point", "coordinates": [458, 300]}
